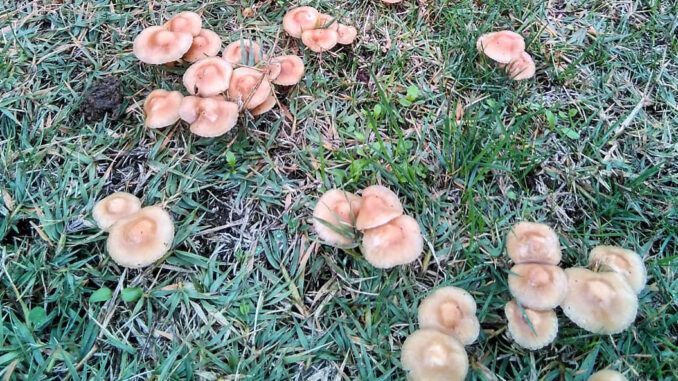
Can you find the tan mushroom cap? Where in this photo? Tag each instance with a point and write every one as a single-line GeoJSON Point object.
{"type": "Point", "coordinates": [334, 215]}
{"type": "Point", "coordinates": [286, 70]}
{"type": "Point", "coordinates": [503, 47]}
{"type": "Point", "coordinates": [185, 22]}
{"type": "Point", "coordinates": [430, 355]}
{"type": "Point", "coordinates": [601, 303]}
{"type": "Point", "coordinates": [380, 205]}
{"type": "Point", "coordinates": [451, 310]}
{"type": "Point", "coordinates": [265, 107]}
{"type": "Point", "coordinates": [209, 117]}
{"type": "Point", "coordinates": [395, 243]}
{"type": "Point", "coordinates": [531, 242]}
{"type": "Point", "coordinates": [205, 44]}
{"type": "Point", "coordinates": [538, 286]}
{"type": "Point", "coordinates": [297, 20]}
{"type": "Point", "coordinates": [625, 262]}
{"type": "Point", "coordinates": [521, 68]}
{"type": "Point", "coordinates": [161, 108]}
{"type": "Point", "coordinates": [347, 34]}
{"type": "Point", "coordinates": [208, 77]}
{"type": "Point", "coordinates": [248, 83]}
{"type": "Point", "coordinates": [114, 207]}
{"type": "Point", "coordinates": [326, 21]}
{"type": "Point", "coordinates": [242, 52]}
{"type": "Point", "coordinates": [607, 375]}
{"type": "Point", "coordinates": [320, 40]}
{"type": "Point", "coordinates": [534, 329]}
{"type": "Point", "coordinates": [156, 45]}
{"type": "Point", "coordinates": [142, 238]}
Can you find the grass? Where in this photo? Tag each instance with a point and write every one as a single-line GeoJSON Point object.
{"type": "Point", "coordinates": [589, 146]}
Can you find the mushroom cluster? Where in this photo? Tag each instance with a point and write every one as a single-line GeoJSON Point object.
{"type": "Point", "coordinates": [389, 237]}
{"type": "Point", "coordinates": [318, 31]}
{"type": "Point", "coordinates": [507, 49]}
{"type": "Point", "coordinates": [137, 236]}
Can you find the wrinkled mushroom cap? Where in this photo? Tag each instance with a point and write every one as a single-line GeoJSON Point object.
{"type": "Point", "coordinates": [380, 205]}
{"type": "Point", "coordinates": [521, 68]}
{"type": "Point", "coordinates": [531, 242]}
{"type": "Point", "coordinates": [161, 108]}
{"type": "Point", "coordinates": [297, 20]}
{"type": "Point", "coordinates": [142, 238]}
{"type": "Point", "coordinates": [451, 310]}
{"type": "Point", "coordinates": [286, 70]}
{"type": "Point", "coordinates": [334, 215]}
{"type": "Point", "coordinates": [533, 329]}
{"type": "Point", "coordinates": [209, 117]}
{"type": "Point", "coordinates": [265, 107]}
{"type": "Point", "coordinates": [156, 45]}
{"type": "Point", "coordinates": [112, 208]}
{"type": "Point", "coordinates": [430, 355]}
{"type": "Point", "coordinates": [208, 77]}
{"type": "Point", "coordinates": [397, 242]}
{"type": "Point", "coordinates": [320, 40]}
{"type": "Point", "coordinates": [185, 22]}
{"type": "Point", "coordinates": [346, 34]}
{"type": "Point", "coordinates": [248, 83]}
{"type": "Point", "coordinates": [607, 375]}
{"type": "Point", "coordinates": [503, 47]}
{"type": "Point", "coordinates": [538, 286]}
{"type": "Point", "coordinates": [244, 52]}
{"type": "Point", "coordinates": [205, 44]}
{"type": "Point", "coordinates": [622, 261]}
{"type": "Point", "coordinates": [601, 303]}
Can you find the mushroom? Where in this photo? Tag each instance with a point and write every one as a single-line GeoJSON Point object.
{"type": "Point", "coordinates": [380, 205]}
{"type": "Point", "coordinates": [208, 77]}
{"type": "Point", "coordinates": [601, 303]}
{"type": "Point", "coordinates": [249, 86]}
{"type": "Point", "coordinates": [451, 310]}
{"type": "Point", "coordinates": [334, 215]}
{"type": "Point", "coordinates": [430, 355]}
{"type": "Point", "coordinates": [503, 47]}
{"type": "Point", "coordinates": [243, 51]}
{"type": "Point", "coordinates": [346, 34]}
{"type": "Point", "coordinates": [297, 20]}
{"type": "Point", "coordinates": [521, 68]}
{"type": "Point", "coordinates": [161, 108]}
{"type": "Point", "coordinates": [205, 44]}
{"type": "Point", "coordinates": [268, 104]}
{"type": "Point", "coordinates": [112, 208]}
{"type": "Point", "coordinates": [320, 40]}
{"type": "Point", "coordinates": [156, 45]}
{"type": "Point", "coordinates": [142, 238]}
{"type": "Point", "coordinates": [391, 1]}
{"type": "Point", "coordinates": [531, 242]}
{"type": "Point", "coordinates": [209, 117]}
{"type": "Point", "coordinates": [397, 242]}
{"type": "Point", "coordinates": [538, 286]}
{"type": "Point", "coordinates": [286, 70]}
{"type": "Point", "coordinates": [326, 21]}
{"type": "Point", "coordinates": [607, 375]}
{"type": "Point", "coordinates": [185, 22]}
{"type": "Point", "coordinates": [529, 328]}
{"type": "Point", "coordinates": [622, 261]}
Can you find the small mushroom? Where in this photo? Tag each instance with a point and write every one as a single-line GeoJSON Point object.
{"type": "Point", "coordinates": [380, 205]}
{"type": "Point", "coordinates": [161, 108]}
{"type": "Point", "coordinates": [112, 208]}
{"type": "Point", "coordinates": [209, 117]}
{"type": "Point", "coordinates": [208, 77]}
{"type": "Point", "coordinates": [529, 328]}
{"type": "Point", "coordinates": [397, 242]}
{"type": "Point", "coordinates": [622, 261]}
{"type": "Point", "coordinates": [205, 44]}
{"type": "Point", "coordinates": [286, 70]}
{"type": "Point", "coordinates": [531, 242]}
{"type": "Point", "coordinates": [265, 107]}
{"type": "Point", "coordinates": [451, 310]}
{"type": "Point", "coordinates": [142, 238]}
{"type": "Point", "coordinates": [503, 47]}
{"type": "Point", "coordinates": [156, 45]}
{"type": "Point", "coordinates": [602, 303]}
{"type": "Point", "coordinates": [249, 86]}
{"type": "Point", "coordinates": [430, 355]}
{"type": "Point", "coordinates": [320, 40]}
{"type": "Point", "coordinates": [185, 22]}
{"type": "Point", "coordinates": [521, 68]}
{"type": "Point", "coordinates": [538, 286]}
{"type": "Point", "coordinates": [346, 34]}
{"type": "Point", "coordinates": [243, 52]}
{"type": "Point", "coordinates": [607, 375]}
{"type": "Point", "coordinates": [334, 215]}
{"type": "Point", "coordinates": [297, 20]}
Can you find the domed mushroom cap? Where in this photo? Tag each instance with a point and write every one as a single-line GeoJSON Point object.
{"type": "Point", "coordinates": [607, 375]}
{"type": "Point", "coordinates": [142, 238]}
{"type": "Point", "coordinates": [622, 261]}
{"type": "Point", "coordinates": [430, 355]}
{"type": "Point", "coordinates": [185, 22]}
{"type": "Point", "coordinates": [521, 68]}
{"type": "Point", "coordinates": [397, 242]}
{"type": "Point", "coordinates": [334, 215]}
{"type": "Point", "coordinates": [380, 205]}
{"type": "Point", "coordinates": [531, 242]}
{"type": "Point", "coordinates": [503, 47]}
{"type": "Point", "coordinates": [346, 34]}
{"type": "Point", "coordinates": [265, 107]}
{"type": "Point", "coordinates": [320, 40]}
{"type": "Point", "coordinates": [533, 329]}
{"type": "Point", "coordinates": [538, 286]}
{"type": "Point", "coordinates": [209, 117]}
{"type": "Point", "coordinates": [297, 20]}
{"type": "Point", "coordinates": [249, 84]}
{"type": "Point", "coordinates": [205, 44]}
{"type": "Point", "coordinates": [112, 208]}
{"type": "Point", "coordinates": [208, 77]}
{"type": "Point", "coordinates": [161, 108]}
{"type": "Point", "coordinates": [451, 310]}
{"type": "Point", "coordinates": [242, 52]}
{"type": "Point", "coordinates": [601, 303]}
{"type": "Point", "coordinates": [156, 45]}
{"type": "Point", "coordinates": [286, 70]}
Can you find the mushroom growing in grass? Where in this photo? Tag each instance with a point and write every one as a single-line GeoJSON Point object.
{"type": "Point", "coordinates": [503, 47]}
{"type": "Point", "coordinates": [265, 107]}
{"type": "Point", "coordinates": [334, 217]}
{"type": "Point", "coordinates": [326, 21]}
{"type": "Point", "coordinates": [205, 44]}
{"type": "Point", "coordinates": [380, 205]}
{"type": "Point", "coordinates": [529, 328]}
{"type": "Point", "coordinates": [346, 34]}
{"type": "Point", "coordinates": [451, 310]}
{"type": "Point", "coordinates": [185, 22]}
{"type": "Point", "coordinates": [602, 303]}
{"type": "Point", "coordinates": [398, 242]}
{"type": "Point", "coordinates": [242, 52]}
{"type": "Point", "coordinates": [298, 20]}
{"type": "Point", "coordinates": [208, 77]}
{"type": "Point", "coordinates": [531, 242]}
{"type": "Point", "coordinates": [538, 286]}
{"type": "Point", "coordinates": [142, 238]}
{"type": "Point", "coordinates": [625, 262]}
{"type": "Point", "coordinates": [521, 68]}
{"type": "Point", "coordinates": [209, 117]}
{"type": "Point", "coordinates": [156, 45]}
{"type": "Point", "coordinates": [161, 108]}
{"type": "Point", "coordinates": [607, 375]}
{"type": "Point", "coordinates": [249, 86]}
{"type": "Point", "coordinates": [430, 355]}
{"type": "Point", "coordinates": [113, 208]}
{"type": "Point", "coordinates": [320, 40]}
{"type": "Point", "coordinates": [286, 70]}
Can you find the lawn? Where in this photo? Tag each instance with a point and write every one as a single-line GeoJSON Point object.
{"type": "Point", "coordinates": [588, 146]}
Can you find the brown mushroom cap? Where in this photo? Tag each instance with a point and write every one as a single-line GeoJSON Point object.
{"type": "Point", "coordinates": [538, 286]}
{"type": "Point", "coordinates": [622, 261]}
{"type": "Point", "coordinates": [607, 375]}
{"type": "Point", "coordinates": [521, 68]}
{"type": "Point", "coordinates": [297, 20]}
{"type": "Point", "coordinates": [534, 329]}
{"type": "Point", "coordinates": [430, 355]}
{"type": "Point", "coordinates": [347, 34]}
{"type": "Point", "coordinates": [265, 107]}
{"type": "Point", "coordinates": [320, 40]}
{"type": "Point", "coordinates": [113, 208]}
{"type": "Point", "coordinates": [142, 238]}
{"type": "Point", "coordinates": [380, 205]}
{"type": "Point", "coordinates": [397, 242]}
{"type": "Point", "coordinates": [209, 117]}
{"type": "Point", "coordinates": [531, 242]}
{"type": "Point", "coordinates": [208, 77]}
{"type": "Point", "coordinates": [601, 303]}
{"type": "Point", "coordinates": [286, 70]}
{"type": "Point", "coordinates": [243, 51]}
{"type": "Point", "coordinates": [205, 44]}
{"type": "Point", "coordinates": [334, 215]}
{"type": "Point", "coordinates": [156, 45]}
{"type": "Point", "coordinates": [161, 108]}
{"type": "Point", "coordinates": [451, 310]}
{"type": "Point", "coordinates": [185, 22]}
{"type": "Point", "coordinates": [248, 83]}
{"type": "Point", "coordinates": [503, 47]}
